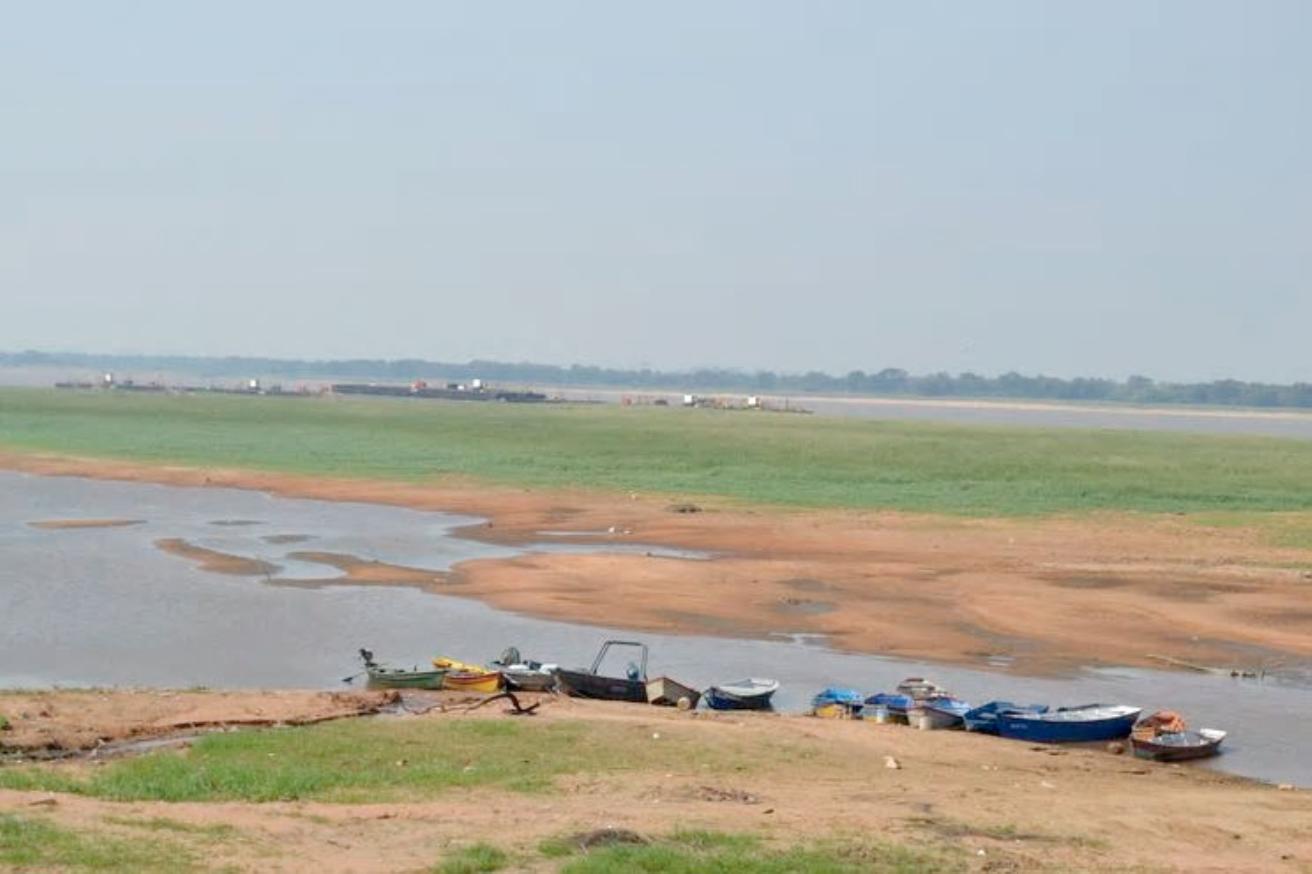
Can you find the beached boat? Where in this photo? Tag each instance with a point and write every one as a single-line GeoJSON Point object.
{"type": "Point", "coordinates": [1164, 737]}
{"type": "Point", "coordinates": [919, 688]}
{"type": "Point", "coordinates": [894, 706]}
{"type": "Point", "coordinates": [400, 678]}
{"type": "Point", "coordinates": [984, 718]}
{"type": "Point", "coordinates": [753, 693]}
{"type": "Point", "coordinates": [472, 681]}
{"type": "Point", "coordinates": [524, 675]}
{"type": "Point", "coordinates": [671, 693]}
{"type": "Point", "coordinates": [836, 702]}
{"type": "Point", "coordinates": [587, 683]}
{"type": "Point", "coordinates": [523, 678]}
{"type": "Point", "coordinates": [1086, 723]}
{"type": "Point", "coordinates": [888, 707]}
{"type": "Point", "coordinates": [938, 712]}
{"type": "Point", "coordinates": [467, 677]}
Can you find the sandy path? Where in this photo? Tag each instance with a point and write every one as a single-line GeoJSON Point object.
{"type": "Point", "coordinates": [1027, 808]}
{"type": "Point", "coordinates": [1049, 593]}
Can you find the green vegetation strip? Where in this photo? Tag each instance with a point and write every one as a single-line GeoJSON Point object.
{"type": "Point", "coordinates": [754, 457]}
{"type": "Point", "coordinates": [687, 852]}
{"type": "Point", "coordinates": [380, 760]}
{"type": "Point", "coordinates": [33, 844]}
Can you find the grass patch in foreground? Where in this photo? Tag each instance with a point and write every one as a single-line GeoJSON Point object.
{"type": "Point", "coordinates": [381, 760]}
{"type": "Point", "coordinates": [698, 852]}
{"type": "Point", "coordinates": [39, 845]}
{"type": "Point", "coordinates": [475, 859]}
{"type": "Point", "coordinates": [764, 458]}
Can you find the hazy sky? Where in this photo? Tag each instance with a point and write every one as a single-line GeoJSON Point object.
{"type": "Point", "coordinates": [1092, 188]}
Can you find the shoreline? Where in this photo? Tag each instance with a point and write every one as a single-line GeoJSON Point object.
{"type": "Point", "coordinates": [1050, 594]}
{"type": "Point", "coordinates": [987, 803]}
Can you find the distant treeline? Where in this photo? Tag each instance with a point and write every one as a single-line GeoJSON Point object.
{"type": "Point", "coordinates": [888, 382]}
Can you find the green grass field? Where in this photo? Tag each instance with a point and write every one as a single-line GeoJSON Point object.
{"type": "Point", "coordinates": [753, 457]}
{"type": "Point", "coordinates": [386, 760]}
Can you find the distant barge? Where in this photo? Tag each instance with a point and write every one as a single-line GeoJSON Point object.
{"type": "Point", "coordinates": [451, 392]}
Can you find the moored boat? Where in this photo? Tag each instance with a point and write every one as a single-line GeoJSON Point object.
{"type": "Point", "coordinates": [525, 679]}
{"type": "Point", "coordinates": [938, 712]}
{"type": "Point", "coordinates": [587, 683]}
{"type": "Point", "coordinates": [895, 706]}
{"type": "Point", "coordinates": [1086, 723]}
{"type": "Point", "coordinates": [472, 681]}
{"type": "Point", "coordinates": [984, 718]}
{"type": "Point", "coordinates": [467, 677]}
{"type": "Point", "coordinates": [400, 678]}
{"type": "Point", "coordinates": [524, 675]}
{"type": "Point", "coordinates": [753, 693]}
{"type": "Point", "coordinates": [889, 706]}
{"type": "Point", "coordinates": [837, 703]}
{"type": "Point", "coordinates": [1164, 737]}
{"type": "Point", "coordinates": [668, 692]}
{"type": "Point", "coordinates": [919, 688]}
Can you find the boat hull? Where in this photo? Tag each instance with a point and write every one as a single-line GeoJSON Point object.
{"type": "Point", "coordinates": [984, 719]}
{"type": "Point", "coordinates": [387, 679]}
{"type": "Point", "coordinates": [1066, 726]}
{"type": "Point", "coordinates": [462, 681]}
{"type": "Point", "coordinates": [930, 717]}
{"type": "Point", "coordinates": [529, 681]}
{"type": "Point", "coordinates": [719, 699]}
{"type": "Point", "coordinates": [582, 684]}
{"type": "Point", "coordinates": [666, 692]}
{"type": "Point", "coordinates": [1186, 746]}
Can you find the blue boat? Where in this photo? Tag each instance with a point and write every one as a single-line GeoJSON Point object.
{"type": "Point", "coordinates": [894, 702]}
{"type": "Point", "coordinates": [1083, 724]}
{"type": "Point", "coordinates": [940, 711]}
{"type": "Point", "coordinates": [848, 701]}
{"type": "Point", "coordinates": [753, 693]}
{"type": "Point", "coordinates": [984, 718]}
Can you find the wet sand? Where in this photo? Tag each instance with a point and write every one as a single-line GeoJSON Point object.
{"type": "Point", "coordinates": [1041, 595]}
{"type": "Point", "coordinates": [997, 805]}
{"type": "Point", "coordinates": [74, 524]}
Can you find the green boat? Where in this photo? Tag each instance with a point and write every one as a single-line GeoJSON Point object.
{"type": "Point", "coordinates": [400, 678]}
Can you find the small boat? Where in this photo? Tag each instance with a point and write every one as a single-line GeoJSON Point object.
{"type": "Point", "coordinates": [1164, 737]}
{"type": "Point", "coordinates": [1083, 724]}
{"type": "Point", "coordinates": [938, 712]}
{"type": "Point", "coordinates": [753, 693]}
{"type": "Point", "coordinates": [671, 693]}
{"type": "Point", "coordinates": [523, 678]}
{"type": "Point", "coordinates": [894, 706]}
{"type": "Point", "coordinates": [587, 683]}
{"type": "Point", "coordinates": [984, 718]}
{"type": "Point", "coordinates": [920, 688]}
{"type": "Point", "coordinates": [889, 707]}
{"type": "Point", "coordinates": [524, 675]}
{"type": "Point", "coordinates": [472, 681]}
{"type": "Point", "coordinates": [467, 677]}
{"type": "Point", "coordinates": [835, 702]}
{"type": "Point", "coordinates": [400, 678]}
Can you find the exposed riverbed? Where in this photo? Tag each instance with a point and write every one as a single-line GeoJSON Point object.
{"type": "Point", "coordinates": [101, 604]}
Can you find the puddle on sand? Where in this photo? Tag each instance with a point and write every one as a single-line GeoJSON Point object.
{"type": "Point", "coordinates": [103, 606]}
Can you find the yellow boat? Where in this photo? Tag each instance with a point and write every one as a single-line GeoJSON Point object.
{"type": "Point", "coordinates": [449, 664]}
{"type": "Point", "coordinates": [466, 677]}
{"type": "Point", "coordinates": [469, 681]}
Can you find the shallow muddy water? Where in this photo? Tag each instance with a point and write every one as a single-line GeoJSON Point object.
{"type": "Point", "coordinates": [104, 606]}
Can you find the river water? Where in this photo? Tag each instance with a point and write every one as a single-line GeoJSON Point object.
{"type": "Point", "coordinates": [104, 606]}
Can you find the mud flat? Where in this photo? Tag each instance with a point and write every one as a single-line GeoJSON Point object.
{"type": "Point", "coordinates": [75, 524]}
{"type": "Point", "coordinates": [1043, 594]}
{"type": "Point", "coordinates": [853, 792]}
